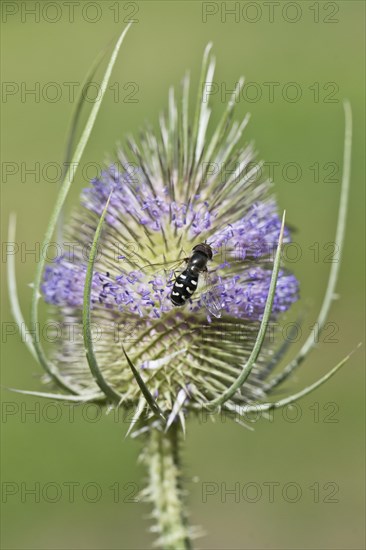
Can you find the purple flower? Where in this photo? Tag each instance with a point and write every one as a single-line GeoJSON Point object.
{"type": "Point", "coordinates": [241, 266]}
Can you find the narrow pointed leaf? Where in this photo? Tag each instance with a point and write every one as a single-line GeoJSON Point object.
{"type": "Point", "coordinates": [261, 333]}
{"type": "Point", "coordinates": [88, 339]}
{"type": "Point", "coordinates": [72, 131]}
{"type": "Point", "coordinates": [282, 350]}
{"type": "Point", "coordinates": [19, 319]}
{"type": "Point", "coordinates": [64, 189]}
{"type": "Point", "coordinates": [296, 396]}
{"type": "Point", "coordinates": [335, 266]}
{"type": "Point", "coordinates": [145, 391]}
{"type": "Point", "coordinates": [12, 287]}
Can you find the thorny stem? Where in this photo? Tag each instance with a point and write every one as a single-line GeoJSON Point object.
{"type": "Point", "coordinates": [161, 456]}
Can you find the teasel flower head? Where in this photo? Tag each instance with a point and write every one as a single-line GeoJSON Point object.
{"type": "Point", "coordinates": [178, 187]}
{"type": "Point", "coordinates": [182, 185]}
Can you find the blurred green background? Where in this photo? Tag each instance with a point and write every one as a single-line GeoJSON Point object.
{"type": "Point", "coordinates": [317, 45]}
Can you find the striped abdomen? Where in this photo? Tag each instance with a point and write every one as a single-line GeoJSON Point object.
{"type": "Point", "coordinates": [184, 286]}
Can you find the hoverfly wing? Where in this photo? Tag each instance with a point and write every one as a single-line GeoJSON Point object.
{"type": "Point", "coordinates": [211, 297]}
{"type": "Point", "coordinates": [162, 267]}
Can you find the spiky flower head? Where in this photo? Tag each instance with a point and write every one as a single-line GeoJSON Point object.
{"type": "Point", "coordinates": [178, 191]}
{"type": "Point", "coordinates": [176, 188]}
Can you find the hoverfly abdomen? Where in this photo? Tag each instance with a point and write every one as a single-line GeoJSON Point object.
{"type": "Point", "coordinates": [186, 283]}
{"type": "Point", "coordinates": [184, 286]}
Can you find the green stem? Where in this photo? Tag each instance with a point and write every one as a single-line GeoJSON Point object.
{"type": "Point", "coordinates": [161, 456]}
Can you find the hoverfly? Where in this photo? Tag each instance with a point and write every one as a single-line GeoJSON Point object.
{"type": "Point", "coordinates": [186, 283]}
